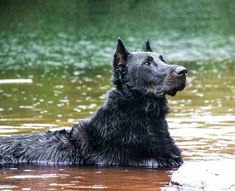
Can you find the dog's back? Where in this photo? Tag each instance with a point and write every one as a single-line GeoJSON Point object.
{"type": "Point", "coordinates": [44, 148]}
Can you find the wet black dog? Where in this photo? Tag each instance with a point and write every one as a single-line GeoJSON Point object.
{"type": "Point", "coordinates": [129, 129]}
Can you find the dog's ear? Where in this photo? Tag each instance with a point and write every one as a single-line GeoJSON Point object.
{"type": "Point", "coordinates": [120, 55]}
{"type": "Point", "coordinates": [147, 47]}
{"type": "Point", "coordinates": [119, 62]}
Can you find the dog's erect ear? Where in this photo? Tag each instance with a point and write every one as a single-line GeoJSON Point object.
{"type": "Point", "coordinates": [120, 55]}
{"type": "Point", "coordinates": [147, 47]}
{"type": "Point", "coordinates": [119, 62]}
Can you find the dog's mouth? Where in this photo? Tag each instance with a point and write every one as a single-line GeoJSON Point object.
{"type": "Point", "coordinates": [173, 91]}
{"type": "Point", "coordinates": [174, 83]}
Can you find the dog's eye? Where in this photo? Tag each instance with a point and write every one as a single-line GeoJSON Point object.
{"type": "Point", "coordinates": [147, 63]}
{"type": "Point", "coordinates": [161, 58]}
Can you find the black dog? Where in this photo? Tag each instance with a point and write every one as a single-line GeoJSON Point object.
{"type": "Point", "coordinates": [129, 129]}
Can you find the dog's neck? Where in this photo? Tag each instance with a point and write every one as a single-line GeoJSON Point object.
{"type": "Point", "coordinates": [132, 101]}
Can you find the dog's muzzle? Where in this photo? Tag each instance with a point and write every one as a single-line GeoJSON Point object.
{"type": "Point", "coordinates": [176, 81]}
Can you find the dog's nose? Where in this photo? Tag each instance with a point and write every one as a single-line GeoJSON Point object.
{"type": "Point", "coordinates": [180, 70]}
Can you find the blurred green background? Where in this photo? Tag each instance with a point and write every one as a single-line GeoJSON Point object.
{"type": "Point", "coordinates": [83, 33]}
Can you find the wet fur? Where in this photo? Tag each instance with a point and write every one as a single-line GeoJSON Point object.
{"type": "Point", "coordinates": [129, 129]}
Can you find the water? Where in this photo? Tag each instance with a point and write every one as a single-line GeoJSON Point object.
{"type": "Point", "coordinates": [44, 178]}
{"type": "Point", "coordinates": [55, 69]}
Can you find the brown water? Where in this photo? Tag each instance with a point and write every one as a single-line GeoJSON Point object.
{"type": "Point", "coordinates": [49, 178]}
{"type": "Point", "coordinates": [202, 121]}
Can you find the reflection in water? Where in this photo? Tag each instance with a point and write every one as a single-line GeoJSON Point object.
{"type": "Point", "coordinates": [16, 81]}
{"type": "Point", "coordinates": [68, 178]}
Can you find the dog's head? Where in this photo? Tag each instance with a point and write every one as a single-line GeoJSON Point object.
{"type": "Point", "coordinates": [147, 72]}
